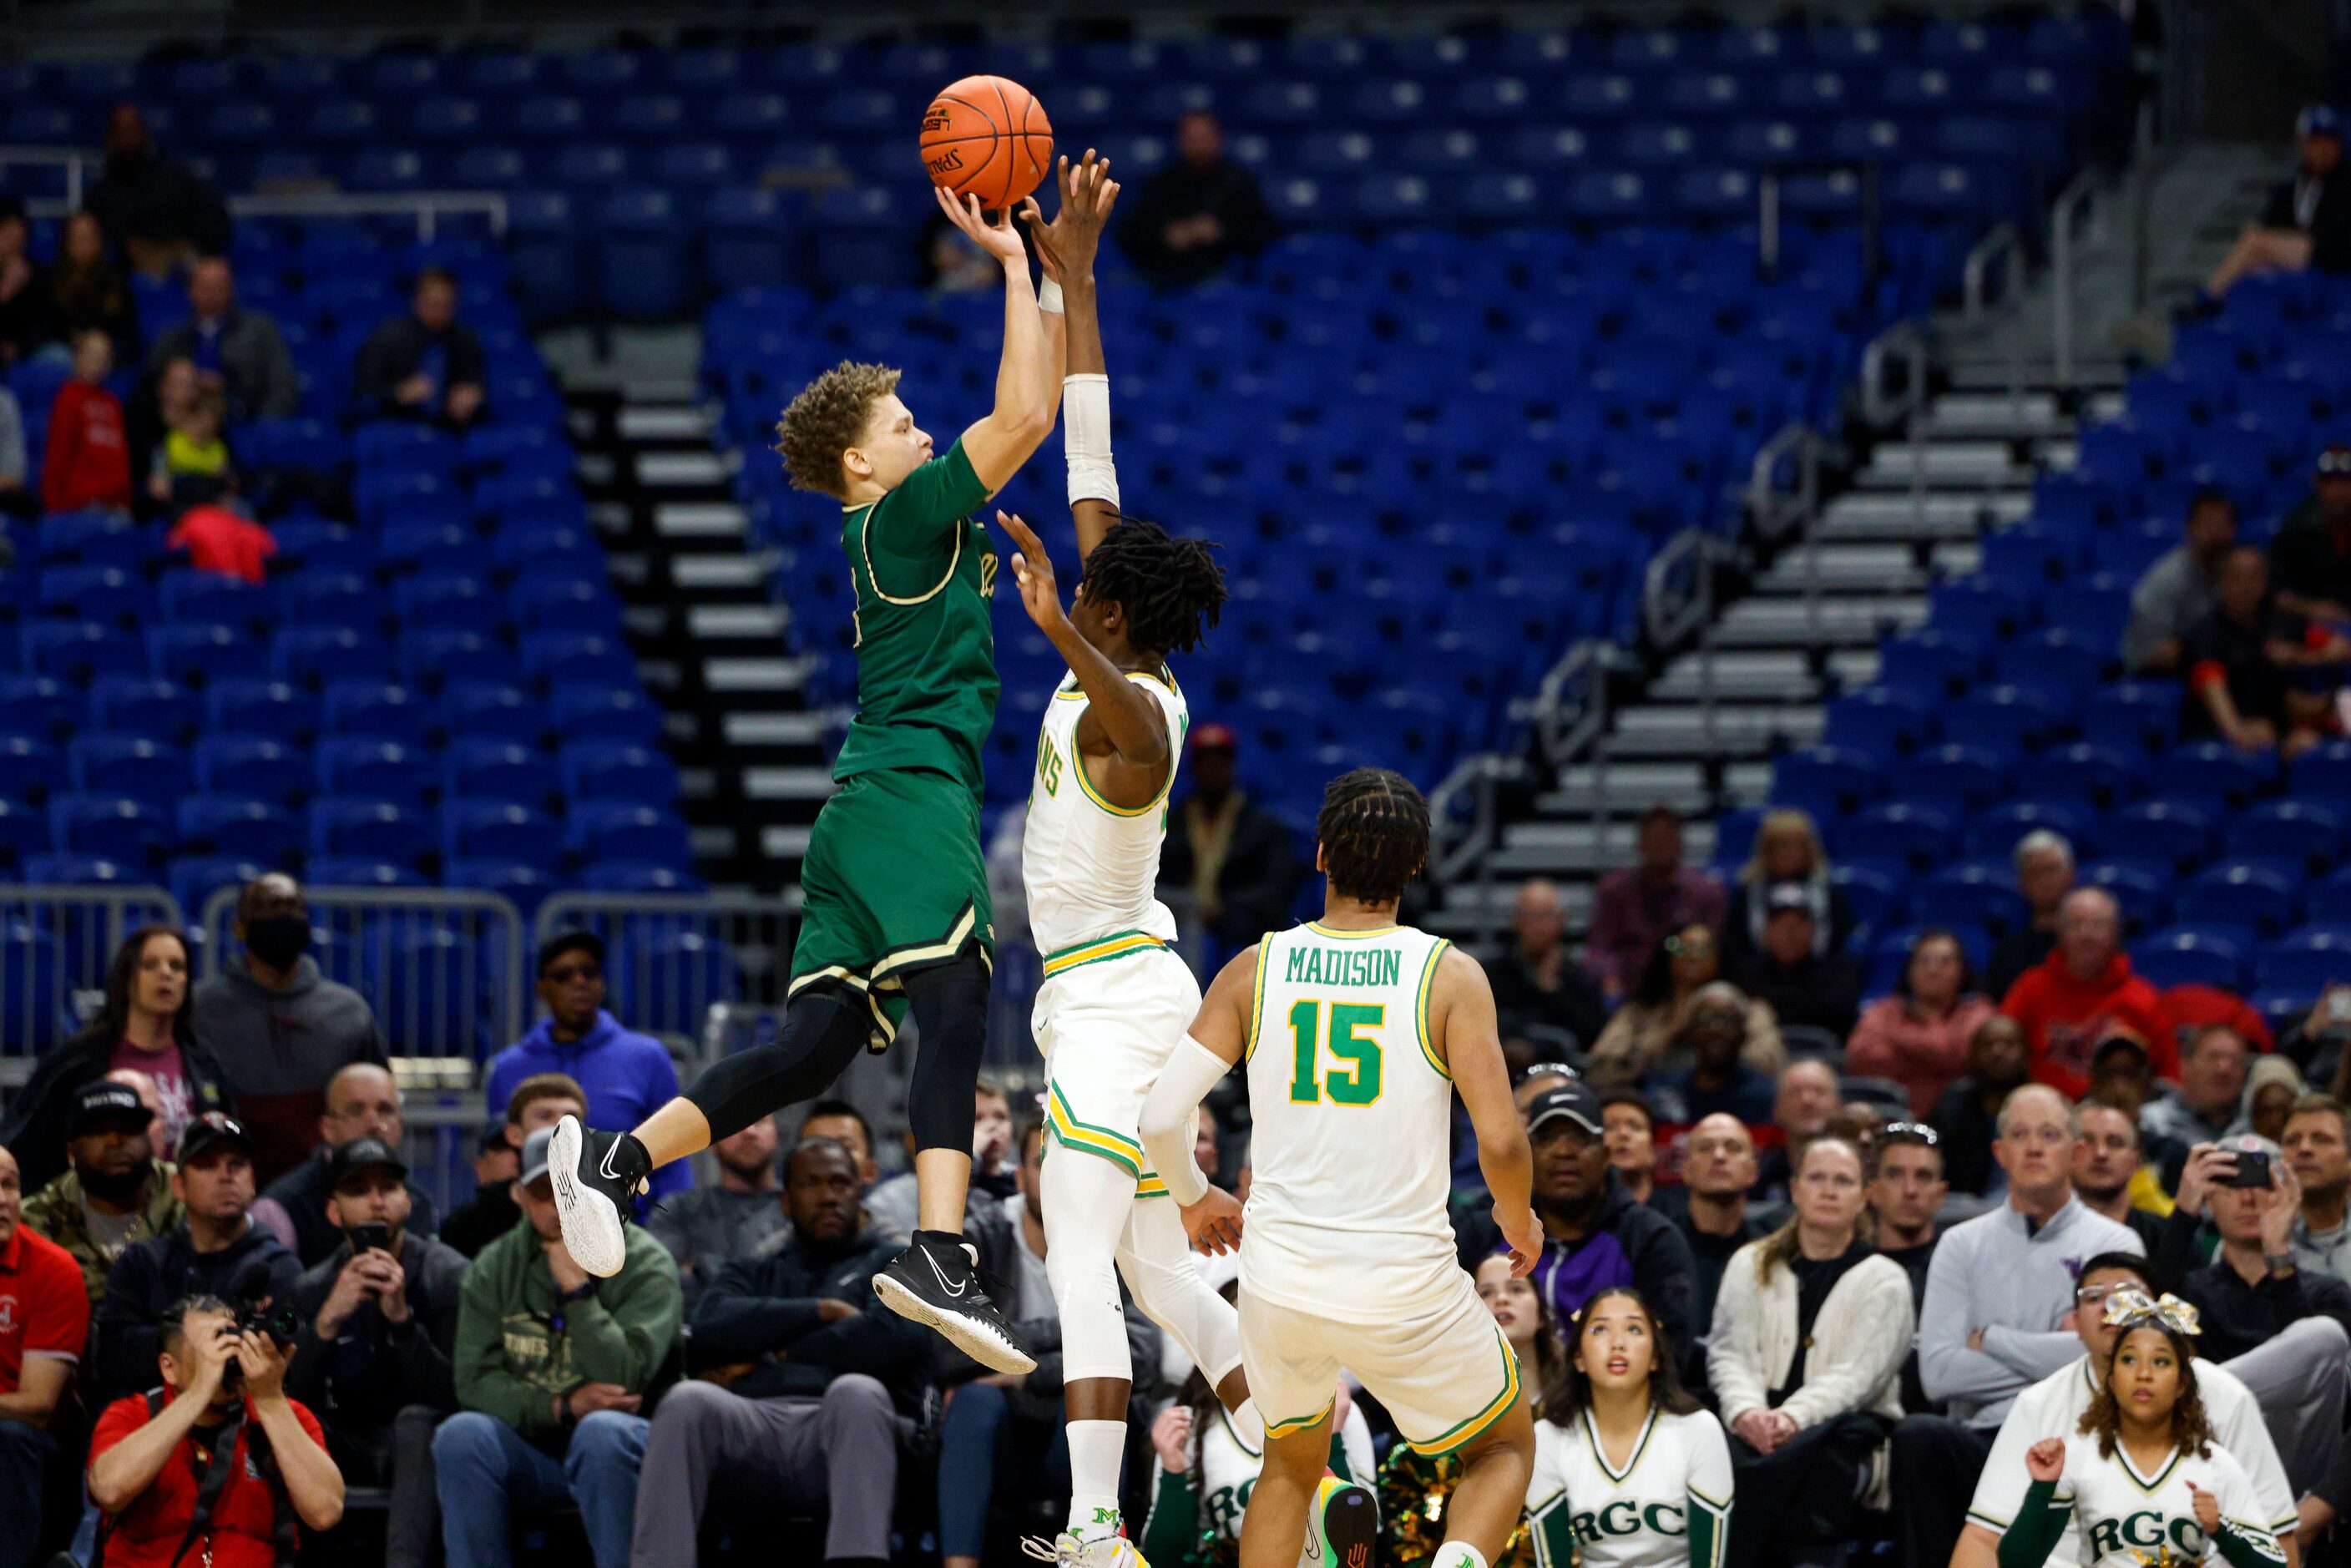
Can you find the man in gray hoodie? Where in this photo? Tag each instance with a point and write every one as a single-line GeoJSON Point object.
{"type": "Point", "coordinates": [1995, 1318]}
{"type": "Point", "coordinates": [282, 1030]}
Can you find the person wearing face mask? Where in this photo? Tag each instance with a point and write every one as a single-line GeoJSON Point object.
{"type": "Point", "coordinates": [363, 1103]}
{"type": "Point", "coordinates": [116, 1194]}
{"type": "Point", "coordinates": [294, 1028]}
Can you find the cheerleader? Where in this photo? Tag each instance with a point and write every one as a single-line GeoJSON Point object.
{"type": "Point", "coordinates": [2142, 1479]}
{"type": "Point", "coordinates": [1630, 1471]}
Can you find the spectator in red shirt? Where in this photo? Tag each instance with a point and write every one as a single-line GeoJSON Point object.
{"type": "Point", "coordinates": [2082, 992]}
{"type": "Point", "coordinates": [43, 1319]}
{"type": "Point", "coordinates": [218, 541]}
{"type": "Point", "coordinates": [150, 1452]}
{"type": "Point", "coordinates": [89, 461]}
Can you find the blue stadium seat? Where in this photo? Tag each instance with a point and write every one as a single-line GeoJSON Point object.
{"type": "Point", "coordinates": [249, 765]}
{"type": "Point", "coordinates": [2003, 718]}
{"type": "Point", "coordinates": [1902, 832]}
{"type": "Point", "coordinates": [638, 876]}
{"type": "Point", "coordinates": [274, 709]}
{"type": "Point", "coordinates": [494, 708]}
{"type": "Point", "coordinates": [1829, 782]}
{"type": "Point", "coordinates": [603, 831]}
{"type": "Point", "coordinates": [2141, 889]}
{"type": "Point", "coordinates": [2304, 831]}
{"type": "Point", "coordinates": [192, 880]}
{"type": "Point", "coordinates": [154, 772]}
{"type": "Point", "coordinates": [314, 656]}
{"type": "Point", "coordinates": [131, 833]}
{"type": "Point", "coordinates": [2176, 831]}
{"type": "Point", "coordinates": [2097, 776]}
{"type": "Point", "coordinates": [2244, 893]}
{"type": "Point", "coordinates": [23, 834]}
{"type": "Point", "coordinates": [526, 886]}
{"type": "Point", "coordinates": [240, 828]}
{"type": "Point", "coordinates": [375, 710]}
{"type": "Point", "coordinates": [750, 239]}
{"type": "Point", "coordinates": [605, 713]}
{"type": "Point", "coordinates": [1981, 896]}
{"type": "Point", "coordinates": [617, 771]}
{"type": "Point", "coordinates": [1968, 776]}
{"type": "Point", "coordinates": [369, 828]}
{"type": "Point", "coordinates": [2306, 962]}
{"type": "Point", "coordinates": [2216, 769]}
{"type": "Point", "coordinates": [644, 266]}
{"type": "Point", "coordinates": [79, 651]}
{"type": "Point", "coordinates": [2330, 899]}
{"type": "Point", "coordinates": [1996, 833]}
{"type": "Point", "coordinates": [136, 706]}
{"type": "Point", "coordinates": [361, 871]}
{"type": "Point", "coordinates": [2190, 956]}
{"type": "Point", "coordinates": [2323, 773]}
{"type": "Point", "coordinates": [2138, 715]}
{"type": "Point", "coordinates": [499, 771]}
{"type": "Point", "coordinates": [38, 705]}
{"type": "Point", "coordinates": [475, 829]}
{"type": "Point", "coordinates": [376, 769]}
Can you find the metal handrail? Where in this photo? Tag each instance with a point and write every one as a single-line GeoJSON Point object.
{"type": "Point", "coordinates": [2005, 243]}
{"type": "Point", "coordinates": [1902, 343]}
{"type": "Point", "coordinates": [2063, 215]}
{"type": "Point", "coordinates": [72, 159]}
{"type": "Point", "coordinates": [426, 205]}
{"type": "Point", "coordinates": [1773, 511]}
{"type": "Point", "coordinates": [1673, 606]}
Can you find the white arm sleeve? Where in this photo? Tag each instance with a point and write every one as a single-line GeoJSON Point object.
{"type": "Point", "coordinates": [1169, 1115]}
{"type": "Point", "coordinates": [1085, 438]}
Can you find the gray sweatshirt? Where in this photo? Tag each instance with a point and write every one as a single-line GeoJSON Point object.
{"type": "Point", "coordinates": [1989, 1274]}
{"type": "Point", "coordinates": [278, 1049]}
{"type": "Point", "coordinates": [12, 440]}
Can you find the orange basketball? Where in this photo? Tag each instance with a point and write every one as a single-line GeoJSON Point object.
{"type": "Point", "coordinates": [987, 137]}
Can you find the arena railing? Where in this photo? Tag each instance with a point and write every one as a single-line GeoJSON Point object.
{"type": "Point", "coordinates": [56, 942]}
{"type": "Point", "coordinates": [427, 207]}
{"type": "Point", "coordinates": [77, 161]}
{"type": "Point", "coordinates": [2065, 215]}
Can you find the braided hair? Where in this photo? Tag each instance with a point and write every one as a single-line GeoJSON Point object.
{"type": "Point", "coordinates": [1374, 829]}
{"type": "Point", "coordinates": [1171, 588]}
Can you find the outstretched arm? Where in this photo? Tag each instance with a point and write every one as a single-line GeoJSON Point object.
{"type": "Point", "coordinates": [1463, 1031]}
{"type": "Point", "coordinates": [1067, 250]}
{"type": "Point", "coordinates": [1023, 417]}
{"type": "Point", "coordinates": [1136, 764]}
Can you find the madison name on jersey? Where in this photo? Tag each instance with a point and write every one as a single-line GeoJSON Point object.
{"type": "Point", "coordinates": [1670, 1507]}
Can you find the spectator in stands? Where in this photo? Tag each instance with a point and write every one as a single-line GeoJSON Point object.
{"type": "Point", "coordinates": [1637, 906]}
{"type": "Point", "coordinates": [552, 1368]}
{"type": "Point", "coordinates": [1807, 1101]}
{"type": "Point", "coordinates": [1230, 854]}
{"type": "Point", "coordinates": [628, 1076]}
{"type": "Point", "coordinates": [2082, 992]}
{"type": "Point", "coordinates": [1641, 1038]}
{"type": "Point", "coordinates": [2245, 662]}
{"type": "Point", "coordinates": [1541, 993]}
{"type": "Point", "coordinates": [537, 1101]}
{"type": "Point", "coordinates": [1918, 1036]}
{"type": "Point", "coordinates": [2182, 588]}
{"type": "Point", "coordinates": [2200, 1108]}
{"type": "Point", "coordinates": [16, 499]}
{"type": "Point", "coordinates": [363, 1103]}
{"type": "Point", "coordinates": [1719, 1174]}
{"type": "Point", "coordinates": [1197, 213]}
{"type": "Point", "coordinates": [294, 1027]}
{"type": "Point", "coordinates": [2310, 554]}
{"type": "Point", "coordinates": [224, 542]}
{"type": "Point", "coordinates": [379, 1328]}
{"type": "Point", "coordinates": [88, 464]}
{"type": "Point", "coordinates": [2307, 221]}
{"type": "Point", "coordinates": [2316, 1038]}
{"type": "Point", "coordinates": [216, 1250]}
{"type": "Point", "coordinates": [710, 1226]}
{"type": "Point", "coordinates": [952, 263]}
{"type": "Point", "coordinates": [1632, 1139]}
{"type": "Point", "coordinates": [1965, 1118]}
{"type": "Point", "coordinates": [1905, 1190]}
{"type": "Point", "coordinates": [801, 1363]}
{"type": "Point", "coordinates": [1805, 984]}
{"type": "Point", "coordinates": [891, 1204]}
{"type": "Point", "coordinates": [191, 466]}
{"type": "Point", "coordinates": [42, 1333]}
{"type": "Point", "coordinates": [2254, 1285]}
{"type": "Point", "coordinates": [159, 212]}
{"type": "Point", "coordinates": [88, 292]}
{"type": "Point", "coordinates": [2044, 875]}
{"type": "Point", "coordinates": [2317, 1146]}
{"type": "Point", "coordinates": [154, 1456]}
{"type": "Point", "coordinates": [845, 1124]}
{"type": "Point", "coordinates": [1718, 1079]}
{"type": "Point", "coordinates": [1595, 1234]}
{"type": "Point", "coordinates": [1807, 1362]}
{"type": "Point", "coordinates": [143, 1025]}
{"type": "Point", "coordinates": [117, 1195]}
{"type": "Point", "coordinates": [1998, 1294]}
{"type": "Point", "coordinates": [426, 364]}
{"type": "Point", "coordinates": [1787, 850]}
{"type": "Point", "coordinates": [239, 353]}
{"type": "Point", "coordinates": [2107, 1167]}
{"type": "Point", "coordinates": [27, 320]}
{"type": "Point", "coordinates": [2272, 1087]}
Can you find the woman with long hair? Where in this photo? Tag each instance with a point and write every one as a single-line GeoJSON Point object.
{"type": "Point", "coordinates": [1810, 1331]}
{"type": "Point", "coordinates": [1641, 1037]}
{"type": "Point", "coordinates": [1788, 849]}
{"type": "Point", "coordinates": [2142, 1476]}
{"type": "Point", "coordinates": [1918, 1036]}
{"type": "Point", "coordinates": [144, 1025]}
{"type": "Point", "coordinates": [88, 292]}
{"type": "Point", "coordinates": [1631, 1472]}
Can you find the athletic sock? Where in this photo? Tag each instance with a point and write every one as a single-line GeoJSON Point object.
{"type": "Point", "coordinates": [1097, 1449]}
{"type": "Point", "coordinates": [946, 1240]}
{"type": "Point", "coordinates": [1248, 1426]}
{"type": "Point", "coordinates": [633, 1159]}
{"type": "Point", "coordinates": [1457, 1555]}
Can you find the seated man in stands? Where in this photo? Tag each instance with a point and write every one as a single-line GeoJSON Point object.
{"type": "Point", "coordinates": [2044, 875]}
{"type": "Point", "coordinates": [1719, 1081]}
{"type": "Point", "coordinates": [2203, 1106]}
{"type": "Point", "coordinates": [362, 1101]}
{"type": "Point", "coordinates": [553, 1367]}
{"type": "Point", "coordinates": [217, 1250]}
{"type": "Point", "coordinates": [1807, 987]}
{"type": "Point", "coordinates": [2310, 555]}
{"type": "Point", "coordinates": [2182, 588]}
{"type": "Point", "coordinates": [2307, 223]}
{"type": "Point", "coordinates": [41, 1337]}
{"type": "Point", "coordinates": [238, 352]}
{"type": "Point", "coordinates": [426, 364]}
{"type": "Point", "coordinates": [711, 1226]}
{"type": "Point", "coordinates": [379, 1327]}
{"type": "Point", "coordinates": [539, 1101]}
{"type": "Point", "coordinates": [1637, 906]}
{"type": "Point", "coordinates": [2082, 993]}
{"type": "Point", "coordinates": [116, 1194]}
{"type": "Point", "coordinates": [161, 212]}
{"type": "Point", "coordinates": [803, 1372]}
{"type": "Point", "coordinates": [1198, 212]}
{"type": "Point", "coordinates": [2245, 664]}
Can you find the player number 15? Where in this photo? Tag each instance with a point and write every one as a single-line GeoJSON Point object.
{"type": "Point", "coordinates": [1355, 1081]}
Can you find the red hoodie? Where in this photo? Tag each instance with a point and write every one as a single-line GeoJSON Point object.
{"type": "Point", "coordinates": [88, 460]}
{"type": "Point", "coordinates": [2064, 1020]}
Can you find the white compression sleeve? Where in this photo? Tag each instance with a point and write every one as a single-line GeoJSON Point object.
{"type": "Point", "coordinates": [1168, 1117]}
{"type": "Point", "coordinates": [1085, 438]}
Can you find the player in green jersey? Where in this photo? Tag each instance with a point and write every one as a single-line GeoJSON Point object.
{"type": "Point", "coordinates": [896, 908]}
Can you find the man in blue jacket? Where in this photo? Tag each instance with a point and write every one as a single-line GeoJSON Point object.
{"type": "Point", "coordinates": [802, 1373]}
{"type": "Point", "coordinates": [628, 1076]}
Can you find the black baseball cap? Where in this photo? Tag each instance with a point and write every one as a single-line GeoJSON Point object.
{"type": "Point", "coordinates": [2113, 1043]}
{"type": "Point", "coordinates": [1573, 1100]}
{"type": "Point", "coordinates": [212, 1130]}
{"type": "Point", "coordinates": [103, 1102]}
{"type": "Point", "coordinates": [362, 1154]}
{"type": "Point", "coordinates": [564, 942]}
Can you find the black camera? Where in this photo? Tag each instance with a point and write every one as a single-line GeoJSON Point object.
{"type": "Point", "coordinates": [258, 1315]}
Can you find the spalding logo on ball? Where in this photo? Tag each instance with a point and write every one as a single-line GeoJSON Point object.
{"type": "Point", "coordinates": [989, 138]}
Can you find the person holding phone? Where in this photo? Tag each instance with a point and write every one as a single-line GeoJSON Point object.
{"type": "Point", "coordinates": [2252, 1289]}
{"type": "Point", "coordinates": [379, 1331]}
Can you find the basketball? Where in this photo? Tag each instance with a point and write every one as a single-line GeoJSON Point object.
{"type": "Point", "coordinates": [987, 137]}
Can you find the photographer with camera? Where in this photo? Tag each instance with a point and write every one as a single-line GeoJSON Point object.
{"type": "Point", "coordinates": [378, 1327]}
{"type": "Point", "coordinates": [216, 1250]}
{"type": "Point", "coordinates": [217, 1466]}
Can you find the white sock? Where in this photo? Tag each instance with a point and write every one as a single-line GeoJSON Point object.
{"type": "Point", "coordinates": [1457, 1555]}
{"type": "Point", "coordinates": [1248, 1426]}
{"type": "Point", "coordinates": [1096, 1450]}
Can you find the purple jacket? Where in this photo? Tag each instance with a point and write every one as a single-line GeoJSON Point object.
{"type": "Point", "coordinates": [627, 1077]}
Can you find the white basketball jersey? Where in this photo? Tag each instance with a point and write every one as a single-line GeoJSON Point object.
{"type": "Point", "coordinates": [1090, 868]}
{"type": "Point", "coordinates": [2125, 1518]}
{"type": "Point", "coordinates": [1670, 1507]}
{"type": "Point", "coordinates": [1351, 1113]}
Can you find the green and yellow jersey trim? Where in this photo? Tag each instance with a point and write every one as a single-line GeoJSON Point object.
{"type": "Point", "coordinates": [1174, 753]}
{"type": "Point", "coordinates": [2145, 1483]}
{"type": "Point", "coordinates": [1600, 1451]}
{"type": "Point", "coordinates": [1257, 1001]}
{"type": "Point", "coordinates": [1100, 950]}
{"type": "Point", "coordinates": [1322, 930]}
{"type": "Point", "coordinates": [1101, 1141]}
{"type": "Point", "coordinates": [1427, 982]}
{"type": "Point", "coordinates": [1462, 1434]}
{"type": "Point", "coordinates": [1298, 1423]}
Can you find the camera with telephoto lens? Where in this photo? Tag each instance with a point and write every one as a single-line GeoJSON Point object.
{"type": "Point", "coordinates": [259, 1315]}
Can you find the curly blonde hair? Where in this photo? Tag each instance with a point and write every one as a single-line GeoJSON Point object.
{"type": "Point", "coordinates": [825, 421]}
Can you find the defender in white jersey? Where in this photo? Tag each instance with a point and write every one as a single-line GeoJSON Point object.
{"type": "Point", "coordinates": [1357, 1032]}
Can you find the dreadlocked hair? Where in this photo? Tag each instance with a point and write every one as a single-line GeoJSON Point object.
{"type": "Point", "coordinates": [1373, 829]}
{"type": "Point", "coordinates": [1172, 589]}
{"type": "Point", "coordinates": [826, 420]}
{"type": "Point", "coordinates": [2191, 1429]}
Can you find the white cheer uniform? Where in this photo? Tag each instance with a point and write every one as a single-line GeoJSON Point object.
{"type": "Point", "coordinates": [2122, 1518]}
{"type": "Point", "coordinates": [1670, 1507]}
{"type": "Point", "coordinates": [1225, 1468]}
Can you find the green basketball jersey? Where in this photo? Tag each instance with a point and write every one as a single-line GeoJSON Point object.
{"type": "Point", "coordinates": [924, 571]}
